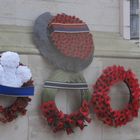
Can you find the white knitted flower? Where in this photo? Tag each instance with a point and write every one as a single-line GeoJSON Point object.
{"type": "Point", "coordinates": [24, 73]}
{"type": "Point", "coordinates": [10, 59]}
{"type": "Point", "coordinates": [11, 74]}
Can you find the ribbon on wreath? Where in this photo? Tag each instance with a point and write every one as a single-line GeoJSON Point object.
{"type": "Point", "coordinates": [70, 28]}
{"type": "Point", "coordinates": [16, 91]}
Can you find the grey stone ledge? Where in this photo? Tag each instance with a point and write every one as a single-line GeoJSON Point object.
{"type": "Point", "coordinates": [107, 44]}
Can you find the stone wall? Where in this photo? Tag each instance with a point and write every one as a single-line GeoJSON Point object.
{"type": "Point", "coordinates": [32, 126]}
{"type": "Point", "coordinates": [110, 48]}
{"type": "Point", "coordinates": [101, 15]}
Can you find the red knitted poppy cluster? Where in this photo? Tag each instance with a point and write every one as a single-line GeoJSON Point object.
{"type": "Point", "coordinates": [63, 18]}
{"type": "Point", "coordinates": [75, 45]}
{"type": "Point", "coordinates": [60, 121]}
{"type": "Point", "coordinates": [101, 100]}
{"type": "Point", "coordinates": [8, 114]}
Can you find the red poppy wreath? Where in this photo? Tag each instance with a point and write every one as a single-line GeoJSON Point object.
{"type": "Point", "coordinates": [15, 80]}
{"type": "Point", "coordinates": [58, 120]}
{"type": "Point", "coordinates": [67, 37]}
{"type": "Point", "coordinates": [71, 36]}
{"type": "Point", "coordinates": [101, 101]}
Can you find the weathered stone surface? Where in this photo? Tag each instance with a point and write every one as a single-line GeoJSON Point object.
{"type": "Point", "coordinates": [129, 132]}
{"type": "Point", "coordinates": [19, 38]}
{"type": "Point", "coordinates": [100, 15]}
{"type": "Point", "coordinates": [18, 129]}
{"type": "Point", "coordinates": [38, 130]}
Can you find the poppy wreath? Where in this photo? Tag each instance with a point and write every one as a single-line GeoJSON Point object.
{"type": "Point", "coordinates": [18, 107]}
{"type": "Point", "coordinates": [101, 101]}
{"type": "Point", "coordinates": [58, 120]}
{"type": "Point", "coordinates": [71, 36]}
{"type": "Point", "coordinates": [66, 37]}
{"type": "Point", "coordinates": [21, 86]}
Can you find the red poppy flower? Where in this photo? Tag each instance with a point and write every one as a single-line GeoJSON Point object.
{"type": "Point", "coordinates": [85, 104]}
{"type": "Point", "coordinates": [108, 121]}
{"type": "Point", "coordinates": [69, 131]}
{"type": "Point", "coordinates": [1, 109]}
{"type": "Point", "coordinates": [84, 111]}
{"type": "Point", "coordinates": [60, 125]}
{"type": "Point", "coordinates": [80, 123]}
{"type": "Point", "coordinates": [50, 120]}
{"type": "Point", "coordinates": [61, 115]}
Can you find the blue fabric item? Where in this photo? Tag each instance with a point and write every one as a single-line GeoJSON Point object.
{"type": "Point", "coordinates": [13, 91]}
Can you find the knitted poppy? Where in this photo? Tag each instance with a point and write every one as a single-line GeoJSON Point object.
{"type": "Point", "coordinates": [60, 121]}
{"type": "Point", "coordinates": [101, 101]}
{"type": "Point", "coordinates": [18, 107]}
{"type": "Point", "coordinates": [65, 41]}
{"type": "Point", "coordinates": [69, 36]}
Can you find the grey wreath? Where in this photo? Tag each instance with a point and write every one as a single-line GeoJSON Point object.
{"type": "Point", "coordinates": [41, 38]}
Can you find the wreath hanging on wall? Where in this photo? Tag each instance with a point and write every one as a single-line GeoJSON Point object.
{"type": "Point", "coordinates": [66, 37]}
{"type": "Point", "coordinates": [15, 80]}
{"type": "Point", "coordinates": [67, 43]}
{"type": "Point", "coordinates": [101, 101]}
{"type": "Point", "coordinates": [58, 120]}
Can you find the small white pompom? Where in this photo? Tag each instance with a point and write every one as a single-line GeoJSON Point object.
{"type": "Point", "coordinates": [10, 59]}
{"type": "Point", "coordinates": [24, 73]}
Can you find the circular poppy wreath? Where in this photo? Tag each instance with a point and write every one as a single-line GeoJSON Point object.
{"type": "Point", "coordinates": [101, 101]}
{"type": "Point", "coordinates": [60, 121]}
{"type": "Point", "coordinates": [8, 114]}
{"type": "Point", "coordinates": [67, 57]}
{"type": "Point", "coordinates": [75, 45]}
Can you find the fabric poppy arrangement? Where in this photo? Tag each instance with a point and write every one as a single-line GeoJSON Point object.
{"type": "Point", "coordinates": [67, 43]}
{"type": "Point", "coordinates": [71, 36]}
{"type": "Point", "coordinates": [58, 120]}
{"type": "Point", "coordinates": [15, 80]}
{"type": "Point", "coordinates": [101, 100]}
{"type": "Point", "coordinates": [64, 40]}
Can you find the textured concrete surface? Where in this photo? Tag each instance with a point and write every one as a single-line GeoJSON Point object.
{"type": "Point", "coordinates": [19, 38]}
{"type": "Point", "coordinates": [101, 15]}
